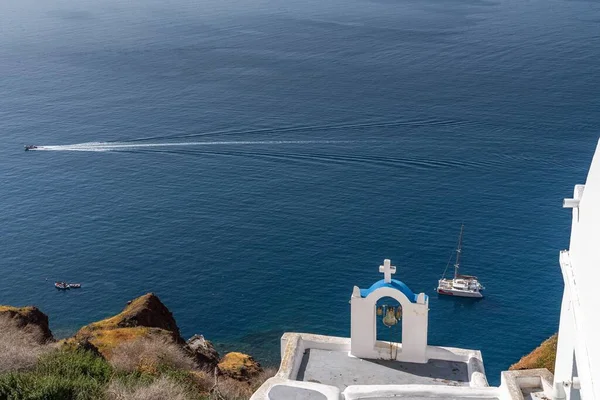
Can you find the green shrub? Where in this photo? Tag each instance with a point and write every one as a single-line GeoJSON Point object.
{"type": "Point", "coordinates": [13, 386]}
{"type": "Point", "coordinates": [59, 375]}
{"type": "Point", "coordinates": [31, 386]}
{"type": "Point", "coordinates": [74, 364]}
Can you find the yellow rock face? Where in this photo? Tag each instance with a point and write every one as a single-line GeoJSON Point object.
{"type": "Point", "coordinates": [143, 317]}
{"type": "Point", "coordinates": [107, 339]}
{"type": "Point", "coordinates": [542, 357]}
{"type": "Point", "coordinates": [239, 366]}
{"type": "Point", "coordinates": [11, 308]}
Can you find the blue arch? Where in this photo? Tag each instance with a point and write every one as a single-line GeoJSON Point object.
{"type": "Point", "coordinates": [394, 284]}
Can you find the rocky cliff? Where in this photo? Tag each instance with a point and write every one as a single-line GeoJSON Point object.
{"type": "Point", "coordinates": [30, 319]}
{"type": "Point", "coordinates": [144, 317]}
{"type": "Point", "coordinates": [139, 349]}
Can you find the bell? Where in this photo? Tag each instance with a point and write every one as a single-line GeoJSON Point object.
{"type": "Point", "coordinates": [398, 312]}
{"type": "Point", "coordinates": [379, 311]}
{"type": "Point", "coordinates": [390, 319]}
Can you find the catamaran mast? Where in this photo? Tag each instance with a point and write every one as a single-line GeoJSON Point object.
{"type": "Point", "coordinates": [458, 250]}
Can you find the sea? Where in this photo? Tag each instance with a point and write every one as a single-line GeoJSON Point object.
{"type": "Point", "coordinates": [251, 161]}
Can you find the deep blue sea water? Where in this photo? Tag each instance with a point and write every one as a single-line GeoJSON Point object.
{"type": "Point", "coordinates": [336, 134]}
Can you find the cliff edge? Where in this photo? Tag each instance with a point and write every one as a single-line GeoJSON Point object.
{"type": "Point", "coordinates": [542, 357]}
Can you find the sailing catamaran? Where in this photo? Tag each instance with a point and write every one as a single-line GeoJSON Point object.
{"type": "Point", "coordinates": [460, 285]}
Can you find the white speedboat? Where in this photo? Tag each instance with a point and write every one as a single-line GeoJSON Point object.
{"type": "Point", "coordinates": [460, 285]}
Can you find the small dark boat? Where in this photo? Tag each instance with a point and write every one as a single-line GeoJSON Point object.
{"type": "Point", "coordinates": [61, 285]}
{"type": "Point", "coordinates": [30, 147]}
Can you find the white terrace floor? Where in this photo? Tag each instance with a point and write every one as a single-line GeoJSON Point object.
{"type": "Point", "coordinates": [336, 368]}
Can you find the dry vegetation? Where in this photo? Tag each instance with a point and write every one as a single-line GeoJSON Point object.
{"type": "Point", "coordinates": [160, 389]}
{"type": "Point", "coordinates": [147, 355]}
{"type": "Point", "coordinates": [224, 388]}
{"type": "Point", "coordinates": [19, 349]}
{"type": "Point", "coordinates": [542, 357]}
{"type": "Point", "coordinates": [107, 340]}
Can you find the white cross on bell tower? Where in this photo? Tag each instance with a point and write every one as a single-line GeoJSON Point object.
{"type": "Point", "coordinates": [388, 269]}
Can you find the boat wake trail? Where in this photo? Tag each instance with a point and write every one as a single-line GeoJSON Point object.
{"type": "Point", "coordinates": [116, 146]}
{"type": "Point", "coordinates": [309, 128]}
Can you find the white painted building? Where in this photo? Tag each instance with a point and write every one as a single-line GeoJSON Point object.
{"type": "Point", "coordinates": [577, 369]}
{"type": "Point", "coordinates": [316, 367]}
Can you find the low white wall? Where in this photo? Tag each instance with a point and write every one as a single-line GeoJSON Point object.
{"type": "Point", "coordinates": [293, 346]}
{"type": "Point", "coordinates": [476, 371]}
{"type": "Point", "coordinates": [512, 383]}
{"type": "Point", "coordinates": [358, 392]}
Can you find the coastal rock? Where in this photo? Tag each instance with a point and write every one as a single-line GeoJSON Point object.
{"type": "Point", "coordinates": [31, 320]}
{"type": "Point", "coordinates": [542, 357]}
{"type": "Point", "coordinates": [203, 352]}
{"type": "Point", "coordinates": [146, 310]}
{"type": "Point", "coordinates": [144, 317]}
{"type": "Point", "coordinates": [239, 366]}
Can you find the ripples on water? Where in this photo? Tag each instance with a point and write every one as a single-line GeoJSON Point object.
{"type": "Point", "coordinates": [325, 137]}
